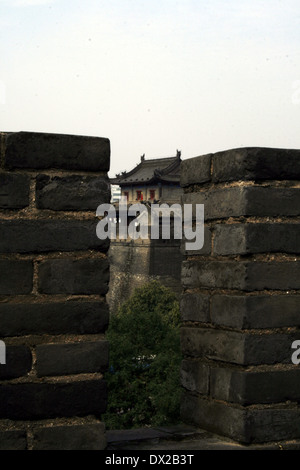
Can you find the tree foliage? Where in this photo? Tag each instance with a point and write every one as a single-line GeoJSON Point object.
{"type": "Point", "coordinates": [143, 377]}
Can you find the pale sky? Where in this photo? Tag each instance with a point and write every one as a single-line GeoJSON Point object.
{"type": "Point", "coordinates": [153, 76]}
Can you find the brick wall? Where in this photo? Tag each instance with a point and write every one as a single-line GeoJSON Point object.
{"type": "Point", "coordinates": [54, 276]}
{"type": "Point", "coordinates": [240, 304]}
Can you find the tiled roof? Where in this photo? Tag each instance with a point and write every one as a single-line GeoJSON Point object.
{"type": "Point", "coordinates": [164, 169]}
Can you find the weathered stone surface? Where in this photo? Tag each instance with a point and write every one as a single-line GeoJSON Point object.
{"type": "Point", "coordinates": [46, 235]}
{"type": "Point", "coordinates": [242, 424]}
{"type": "Point", "coordinates": [72, 437]}
{"type": "Point", "coordinates": [241, 275]}
{"type": "Point", "coordinates": [13, 440]}
{"type": "Point", "coordinates": [18, 362]}
{"type": "Point", "coordinates": [227, 346]}
{"type": "Point", "coordinates": [73, 192]}
{"type": "Point", "coordinates": [218, 203]}
{"type": "Point", "coordinates": [272, 201]}
{"type": "Point", "coordinates": [72, 358]}
{"type": "Point", "coordinates": [256, 163]}
{"type": "Point", "coordinates": [237, 371]}
{"type": "Point", "coordinates": [195, 307]}
{"type": "Point", "coordinates": [14, 191]}
{"type": "Point", "coordinates": [69, 276]}
{"type": "Point", "coordinates": [53, 318]}
{"type": "Point", "coordinates": [248, 388]}
{"type": "Point", "coordinates": [43, 151]}
{"type": "Point", "coordinates": [194, 376]}
{"type": "Point", "coordinates": [259, 311]}
{"type": "Point", "coordinates": [274, 424]}
{"type": "Point", "coordinates": [41, 400]}
{"type": "Point", "coordinates": [206, 248]}
{"type": "Point", "coordinates": [165, 261]}
{"type": "Point", "coordinates": [15, 277]}
{"type": "Point", "coordinates": [246, 201]}
{"type": "Point", "coordinates": [195, 170]}
{"type": "Point", "coordinates": [237, 347]}
{"type": "Point", "coordinates": [256, 238]}
{"type": "Point", "coordinates": [215, 417]}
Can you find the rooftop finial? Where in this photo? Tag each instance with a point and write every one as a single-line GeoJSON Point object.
{"type": "Point", "coordinates": [142, 157]}
{"type": "Point", "coordinates": [178, 153]}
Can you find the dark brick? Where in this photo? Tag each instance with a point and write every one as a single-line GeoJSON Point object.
{"type": "Point", "coordinates": [44, 151]}
{"type": "Point", "coordinates": [246, 276]}
{"type": "Point", "coordinates": [277, 424]}
{"type": "Point", "coordinates": [74, 192]}
{"type": "Point", "coordinates": [38, 236]}
{"type": "Point", "coordinates": [204, 251]}
{"type": "Point", "coordinates": [53, 318]}
{"type": "Point", "coordinates": [259, 311]}
{"type": "Point", "coordinates": [219, 203]}
{"type": "Point", "coordinates": [213, 274]}
{"type": "Point", "coordinates": [272, 201]}
{"type": "Point", "coordinates": [245, 425]}
{"type": "Point", "coordinates": [237, 347]}
{"type": "Point", "coordinates": [18, 362]}
{"type": "Point", "coordinates": [194, 376]}
{"type": "Point", "coordinates": [195, 307]}
{"type": "Point", "coordinates": [256, 238]}
{"type": "Point", "coordinates": [72, 358]}
{"type": "Point", "coordinates": [277, 275]}
{"type": "Point", "coordinates": [29, 401]}
{"type": "Point", "coordinates": [72, 437]}
{"type": "Point", "coordinates": [195, 170]}
{"type": "Point", "coordinates": [13, 440]}
{"type": "Point", "coordinates": [216, 417]}
{"type": "Point", "coordinates": [246, 201]}
{"type": "Point", "coordinates": [15, 277]}
{"type": "Point", "coordinates": [248, 388]}
{"type": "Point", "coordinates": [256, 163]}
{"type": "Point", "coordinates": [68, 276]}
{"type": "Point", "coordinates": [228, 346]}
{"type": "Point", "coordinates": [14, 191]}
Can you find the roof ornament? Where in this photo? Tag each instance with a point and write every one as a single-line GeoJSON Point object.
{"type": "Point", "coordinates": [178, 153]}
{"type": "Point", "coordinates": [142, 157]}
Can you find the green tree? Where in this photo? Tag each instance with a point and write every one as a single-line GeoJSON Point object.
{"type": "Point", "coordinates": [143, 378]}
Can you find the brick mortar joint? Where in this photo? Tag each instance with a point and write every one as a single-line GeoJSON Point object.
{"type": "Point", "coordinates": [42, 299]}
{"type": "Point", "coordinates": [31, 213]}
{"type": "Point", "coordinates": [8, 425]}
{"type": "Point", "coordinates": [251, 407]}
{"type": "Point", "coordinates": [232, 367]}
{"type": "Point", "coordinates": [57, 379]}
{"type": "Point", "coordinates": [252, 220]}
{"type": "Point", "coordinates": [266, 257]}
{"type": "Point", "coordinates": [211, 186]}
{"type": "Point", "coordinates": [268, 331]}
{"type": "Point", "coordinates": [60, 172]}
{"type": "Point", "coordinates": [33, 340]}
{"type": "Point", "coordinates": [54, 255]}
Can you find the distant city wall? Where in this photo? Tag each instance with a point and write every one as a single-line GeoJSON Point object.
{"type": "Point", "coordinates": [134, 263]}
{"type": "Point", "coordinates": [240, 304]}
{"type": "Point", "coordinates": [54, 276]}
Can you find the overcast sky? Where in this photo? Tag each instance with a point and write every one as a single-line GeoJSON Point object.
{"type": "Point", "coordinates": [153, 76]}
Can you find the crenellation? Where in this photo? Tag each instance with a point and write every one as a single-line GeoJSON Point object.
{"type": "Point", "coordinates": [243, 340]}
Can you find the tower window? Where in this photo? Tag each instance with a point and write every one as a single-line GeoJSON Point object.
{"type": "Point", "coordinates": [152, 194]}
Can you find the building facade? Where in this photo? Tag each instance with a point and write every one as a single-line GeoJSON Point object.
{"type": "Point", "coordinates": [153, 180]}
